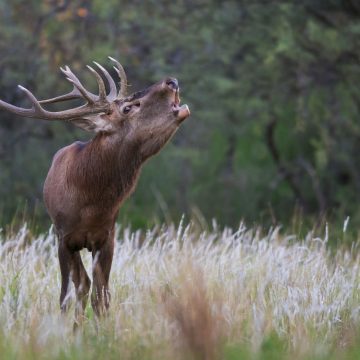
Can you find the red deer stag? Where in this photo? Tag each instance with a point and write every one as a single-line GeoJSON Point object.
{"type": "Point", "coordinates": [88, 181]}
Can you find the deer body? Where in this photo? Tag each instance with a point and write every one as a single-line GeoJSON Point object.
{"type": "Point", "coordinates": [88, 182]}
{"type": "Point", "coordinates": [89, 194]}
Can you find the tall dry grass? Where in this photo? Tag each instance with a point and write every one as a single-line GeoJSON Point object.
{"type": "Point", "coordinates": [181, 294]}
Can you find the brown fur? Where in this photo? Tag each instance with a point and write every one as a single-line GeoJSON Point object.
{"type": "Point", "coordinates": [88, 182]}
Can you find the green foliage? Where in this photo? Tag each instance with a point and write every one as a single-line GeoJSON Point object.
{"type": "Point", "coordinates": [273, 89]}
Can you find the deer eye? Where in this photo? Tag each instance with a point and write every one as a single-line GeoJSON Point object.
{"type": "Point", "coordinates": [126, 109]}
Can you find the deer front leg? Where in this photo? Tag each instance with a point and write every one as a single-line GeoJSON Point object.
{"type": "Point", "coordinates": [102, 259]}
{"type": "Point", "coordinates": [65, 260]}
{"type": "Point", "coordinates": [82, 286]}
{"type": "Point", "coordinates": [72, 267]}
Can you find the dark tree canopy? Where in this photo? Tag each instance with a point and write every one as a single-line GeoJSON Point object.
{"type": "Point", "coordinates": [273, 87]}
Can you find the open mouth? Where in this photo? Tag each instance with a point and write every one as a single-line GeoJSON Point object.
{"type": "Point", "coordinates": [181, 112]}
{"type": "Point", "coordinates": [176, 102]}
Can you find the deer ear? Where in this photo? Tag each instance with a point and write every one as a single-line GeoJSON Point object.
{"type": "Point", "coordinates": [94, 123]}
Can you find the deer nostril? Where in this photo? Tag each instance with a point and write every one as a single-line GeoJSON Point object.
{"type": "Point", "coordinates": [172, 83]}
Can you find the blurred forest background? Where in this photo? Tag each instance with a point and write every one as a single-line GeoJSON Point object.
{"type": "Point", "coordinates": [273, 86]}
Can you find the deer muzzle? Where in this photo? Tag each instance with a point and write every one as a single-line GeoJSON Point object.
{"type": "Point", "coordinates": [181, 112]}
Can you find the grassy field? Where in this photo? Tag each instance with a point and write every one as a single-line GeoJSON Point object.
{"type": "Point", "coordinates": [178, 293]}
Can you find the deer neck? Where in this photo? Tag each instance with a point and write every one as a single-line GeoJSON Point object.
{"type": "Point", "coordinates": [114, 166]}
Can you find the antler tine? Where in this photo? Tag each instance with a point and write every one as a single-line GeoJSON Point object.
{"type": "Point", "coordinates": [34, 101]}
{"type": "Point", "coordinates": [35, 110]}
{"type": "Point", "coordinates": [122, 75]}
{"type": "Point", "coordinates": [102, 90]}
{"type": "Point", "coordinates": [112, 85]}
{"type": "Point", "coordinates": [70, 76]}
{"type": "Point", "coordinates": [74, 94]}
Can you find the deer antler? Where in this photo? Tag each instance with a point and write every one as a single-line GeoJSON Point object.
{"type": "Point", "coordinates": [122, 75]}
{"type": "Point", "coordinates": [95, 104]}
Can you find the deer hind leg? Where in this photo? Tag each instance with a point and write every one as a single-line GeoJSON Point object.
{"type": "Point", "coordinates": [72, 267]}
{"type": "Point", "coordinates": [102, 259]}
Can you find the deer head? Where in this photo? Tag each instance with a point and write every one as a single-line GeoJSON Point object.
{"type": "Point", "coordinates": [140, 115]}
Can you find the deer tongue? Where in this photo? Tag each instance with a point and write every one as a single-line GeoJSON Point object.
{"type": "Point", "coordinates": [177, 98]}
